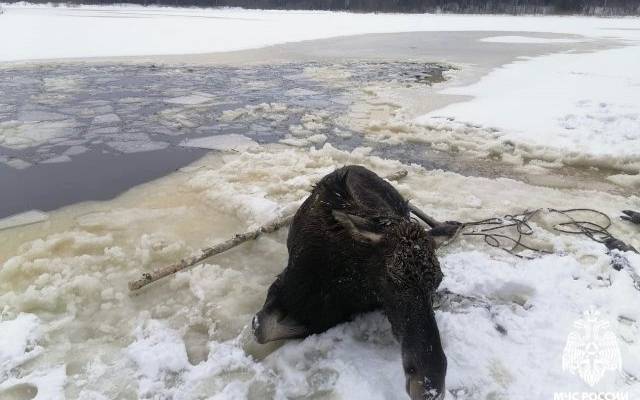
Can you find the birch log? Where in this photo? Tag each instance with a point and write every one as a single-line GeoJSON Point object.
{"type": "Point", "coordinates": [280, 222]}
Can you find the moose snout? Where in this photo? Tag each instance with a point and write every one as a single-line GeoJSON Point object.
{"type": "Point", "coordinates": [421, 389]}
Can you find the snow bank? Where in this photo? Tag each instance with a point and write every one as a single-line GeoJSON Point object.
{"type": "Point", "coordinates": [196, 342]}
{"type": "Point", "coordinates": [39, 32]}
{"type": "Point", "coordinates": [578, 105]}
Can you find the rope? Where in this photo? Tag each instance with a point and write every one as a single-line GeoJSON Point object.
{"type": "Point", "coordinates": [513, 228]}
{"type": "Point", "coordinates": [498, 227]}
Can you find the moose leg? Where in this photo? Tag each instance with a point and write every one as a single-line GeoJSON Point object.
{"type": "Point", "coordinates": [432, 222]}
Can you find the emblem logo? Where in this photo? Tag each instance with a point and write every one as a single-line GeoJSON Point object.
{"type": "Point", "coordinates": [591, 349]}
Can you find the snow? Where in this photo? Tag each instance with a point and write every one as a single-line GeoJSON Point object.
{"type": "Point", "coordinates": [18, 341]}
{"type": "Point", "coordinates": [143, 346]}
{"type": "Point", "coordinates": [39, 32]}
{"type": "Point", "coordinates": [573, 106]}
{"type": "Point", "coordinates": [157, 351]}
{"type": "Point", "coordinates": [69, 327]}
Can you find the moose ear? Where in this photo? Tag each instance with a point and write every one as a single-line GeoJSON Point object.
{"type": "Point", "coordinates": [361, 229]}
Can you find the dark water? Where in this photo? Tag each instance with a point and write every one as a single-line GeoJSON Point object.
{"type": "Point", "coordinates": [71, 133]}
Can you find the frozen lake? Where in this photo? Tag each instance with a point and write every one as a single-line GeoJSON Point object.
{"type": "Point", "coordinates": [489, 115]}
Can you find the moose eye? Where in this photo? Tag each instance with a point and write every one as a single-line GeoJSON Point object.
{"type": "Point", "coordinates": [411, 370]}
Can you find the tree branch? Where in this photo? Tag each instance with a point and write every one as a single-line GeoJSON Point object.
{"type": "Point", "coordinates": [280, 222]}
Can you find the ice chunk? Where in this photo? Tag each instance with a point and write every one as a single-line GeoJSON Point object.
{"type": "Point", "coordinates": [25, 218]}
{"type": "Point", "coordinates": [75, 150]}
{"type": "Point", "coordinates": [137, 146]}
{"type": "Point", "coordinates": [300, 92]}
{"type": "Point", "coordinates": [106, 119]}
{"type": "Point", "coordinates": [58, 159]}
{"type": "Point", "coordinates": [191, 100]}
{"type": "Point", "coordinates": [15, 135]}
{"type": "Point", "coordinates": [37, 116]}
{"type": "Point", "coordinates": [17, 163]}
{"type": "Point", "coordinates": [232, 141]}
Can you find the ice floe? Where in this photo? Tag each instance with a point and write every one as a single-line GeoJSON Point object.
{"type": "Point", "coordinates": [221, 142]}
{"type": "Point", "coordinates": [25, 218]}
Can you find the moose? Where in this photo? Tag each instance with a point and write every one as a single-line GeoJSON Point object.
{"type": "Point", "coordinates": [354, 248]}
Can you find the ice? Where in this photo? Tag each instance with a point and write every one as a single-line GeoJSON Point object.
{"type": "Point", "coordinates": [74, 31]}
{"type": "Point", "coordinates": [526, 39]}
{"type": "Point", "coordinates": [75, 150]}
{"type": "Point", "coordinates": [300, 92]}
{"type": "Point", "coordinates": [25, 218]}
{"type": "Point", "coordinates": [137, 146]}
{"type": "Point", "coordinates": [38, 116]}
{"type": "Point", "coordinates": [18, 135]}
{"type": "Point", "coordinates": [221, 142]}
{"type": "Point", "coordinates": [64, 282]}
{"type": "Point", "coordinates": [194, 99]}
{"type": "Point", "coordinates": [16, 163]}
{"type": "Point", "coordinates": [625, 180]}
{"type": "Point", "coordinates": [580, 108]}
{"type": "Point", "coordinates": [57, 159]}
{"type": "Point", "coordinates": [106, 119]}
{"type": "Point", "coordinates": [75, 275]}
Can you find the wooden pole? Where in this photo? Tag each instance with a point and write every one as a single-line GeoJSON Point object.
{"type": "Point", "coordinates": [280, 222]}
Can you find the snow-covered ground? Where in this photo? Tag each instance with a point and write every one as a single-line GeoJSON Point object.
{"type": "Point", "coordinates": [39, 32]}
{"type": "Point", "coordinates": [75, 330]}
{"type": "Point", "coordinates": [579, 108]}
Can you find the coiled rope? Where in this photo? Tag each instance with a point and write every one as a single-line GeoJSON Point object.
{"type": "Point", "coordinates": [514, 228]}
